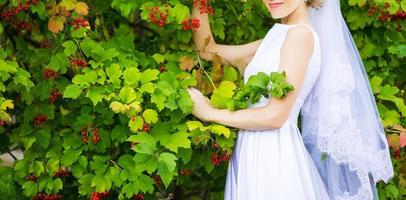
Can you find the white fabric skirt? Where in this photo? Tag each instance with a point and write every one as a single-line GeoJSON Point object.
{"type": "Point", "coordinates": [272, 165]}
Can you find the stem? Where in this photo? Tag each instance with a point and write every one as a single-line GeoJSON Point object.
{"type": "Point", "coordinates": [115, 164]}
{"type": "Point", "coordinates": [201, 67]}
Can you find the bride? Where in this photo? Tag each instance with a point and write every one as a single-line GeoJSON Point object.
{"type": "Point", "coordinates": [341, 151]}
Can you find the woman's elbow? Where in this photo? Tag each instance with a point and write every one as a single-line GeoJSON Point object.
{"type": "Point", "coordinates": [276, 121]}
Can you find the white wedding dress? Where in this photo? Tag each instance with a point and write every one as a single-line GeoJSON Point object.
{"type": "Point", "coordinates": [274, 164]}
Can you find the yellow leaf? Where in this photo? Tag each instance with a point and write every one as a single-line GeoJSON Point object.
{"type": "Point", "coordinates": [7, 104]}
{"type": "Point", "coordinates": [136, 105]}
{"type": "Point", "coordinates": [81, 8]}
{"type": "Point", "coordinates": [220, 130]}
{"type": "Point", "coordinates": [118, 107]}
{"type": "Point", "coordinates": [56, 23]}
{"type": "Point", "coordinates": [192, 125]}
{"type": "Point", "coordinates": [68, 4]}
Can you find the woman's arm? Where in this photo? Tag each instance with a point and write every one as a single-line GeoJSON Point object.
{"type": "Point", "coordinates": [296, 52]}
{"type": "Point", "coordinates": [236, 55]}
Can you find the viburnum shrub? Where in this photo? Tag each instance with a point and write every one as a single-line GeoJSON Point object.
{"type": "Point", "coordinates": [94, 93]}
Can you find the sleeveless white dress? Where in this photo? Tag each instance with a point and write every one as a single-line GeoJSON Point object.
{"type": "Point", "coordinates": [274, 164]}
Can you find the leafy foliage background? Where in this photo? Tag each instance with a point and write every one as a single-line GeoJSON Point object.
{"type": "Point", "coordinates": [119, 80]}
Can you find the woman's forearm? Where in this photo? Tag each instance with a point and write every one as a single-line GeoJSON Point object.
{"type": "Point", "coordinates": [203, 32]}
{"type": "Point", "coordinates": [250, 119]}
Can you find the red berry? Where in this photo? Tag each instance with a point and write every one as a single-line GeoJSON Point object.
{"type": "Point", "coordinates": [162, 68]}
{"type": "Point", "coordinates": [145, 127]}
{"type": "Point", "coordinates": [396, 154]}
{"type": "Point", "coordinates": [2, 123]}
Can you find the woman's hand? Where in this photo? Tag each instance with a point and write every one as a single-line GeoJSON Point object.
{"type": "Point", "coordinates": [202, 108]}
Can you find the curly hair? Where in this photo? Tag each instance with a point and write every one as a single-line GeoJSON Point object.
{"type": "Point", "coordinates": [315, 3]}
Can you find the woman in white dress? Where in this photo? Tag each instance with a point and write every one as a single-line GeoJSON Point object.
{"type": "Point", "coordinates": [270, 159]}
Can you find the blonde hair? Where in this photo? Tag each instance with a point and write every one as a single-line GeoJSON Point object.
{"type": "Point", "coordinates": [315, 3]}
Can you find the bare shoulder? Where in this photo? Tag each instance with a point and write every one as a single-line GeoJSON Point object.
{"type": "Point", "coordinates": [299, 39]}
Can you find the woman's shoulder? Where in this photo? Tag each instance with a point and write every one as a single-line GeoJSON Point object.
{"type": "Point", "coordinates": [300, 36]}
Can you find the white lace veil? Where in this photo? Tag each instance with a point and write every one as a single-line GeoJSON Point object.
{"type": "Point", "coordinates": [341, 127]}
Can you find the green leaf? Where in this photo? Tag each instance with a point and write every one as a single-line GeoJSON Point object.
{"type": "Point", "coordinates": [158, 58]}
{"type": "Point", "coordinates": [101, 183]}
{"type": "Point", "coordinates": [132, 76]}
{"type": "Point", "coordinates": [70, 47]}
{"type": "Point", "coordinates": [72, 91]}
{"type": "Point", "coordinates": [230, 74]}
{"type": "Point", "coordinates": [173, 141]}
{"type": "Point", "coordinates": [388, 92]}
{"type": "Point", "coordinates": [30, 188]}
{"type": "Point", "coordinates": [149, 75]}
{"type": "Point", "coordinates": [95, 94]}
{"type": "Point", "coordinates": [146, 143]}
{"type": "Point", "coordinates": [223, 95]}
{"type": "Point", "coordinates": [43, 137]}
{"type": "Point", "coordinates": [181, 12]}
{"type": "Point", "coordinates": [376, 82]}
{"type": "Point", "coordinates": [37, 168]}
{"type": "Point", "coordinates": [166, 167]}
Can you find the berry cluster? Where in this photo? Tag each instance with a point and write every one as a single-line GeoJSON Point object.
{"type": "Point", "coordinates": [61, 173]}
{"type": "Point", "coordinates": [204, 6]}
{"type": "Point", "coordinates": [384, 14]}
{"type": "Point", "coordinates": [138, 196]}
{"type": "Point", "coordinates": [185, 172]}
{"type": "Point", "coordinates": [399, 15]}
{"type": "Point", "coordinates": [7, 14]}
{"type": "Point", "coordinates": [39, 119]}
{"type": "Point", "coordinates": [372, 10]}
{"type": "Point", "coordinates": [2, 123]}
{"type": "Point", "coordinates": [156, 16]}
{"type": "Point", "coordinates": [79, 63]}
{"type": "Point", "coordinates": [44, 196]}
{"type": "Point", "coordinates": [216, 160]}
{"type": "Point", "coordinates": [24, 25]}
{"type": "Point", "coordinates": [99, 195]}
{"type": "Point", "coordinates": [191, 23]}
{"type": "Point", "coordinates": [49, 73]}
{"type": "Point", "coordinates": [80, 22]}
{"type": "Point", "coordinates": [158, 180]}
{"type": "Point", "coordinates": [32, 178]}
{"type": "Point", "coordinates": [94, 131]}
{"type": "Point", "coordinates": [55, 94]}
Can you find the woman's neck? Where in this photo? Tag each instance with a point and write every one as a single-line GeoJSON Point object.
{"type": "Point", "coordinates": [299, 15]}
